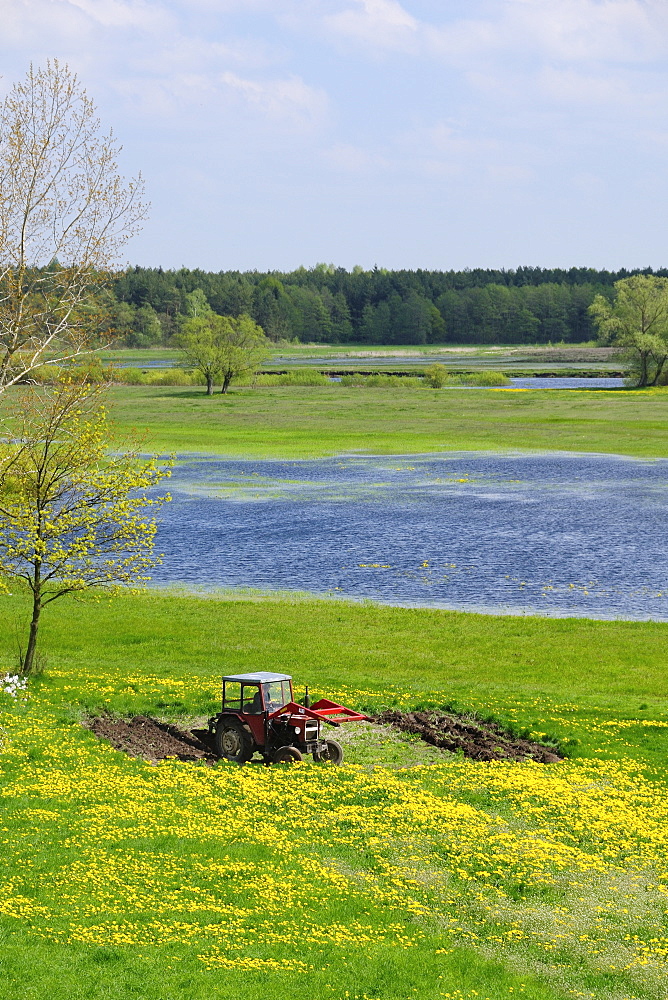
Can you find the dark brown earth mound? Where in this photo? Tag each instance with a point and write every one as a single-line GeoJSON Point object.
{"type": "Point", "coordinates": [153, 740]}
{"type": "Point", "coordinates": [477, 740]}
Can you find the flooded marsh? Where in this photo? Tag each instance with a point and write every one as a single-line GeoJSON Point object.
{"type": "Point", "coordinates": [550, 533]}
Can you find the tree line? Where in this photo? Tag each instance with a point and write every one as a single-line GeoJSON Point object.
{"type": "Point", "coordinates": [324, 304]}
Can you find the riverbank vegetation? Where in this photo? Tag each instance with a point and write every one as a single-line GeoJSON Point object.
{"type": "Point", "coordinates": [456, 878]}
{"type": "Point", "coordinates": [95, 372]}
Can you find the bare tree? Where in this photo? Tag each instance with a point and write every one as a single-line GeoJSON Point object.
{"type": "Point", "coordinates": [65, 214]}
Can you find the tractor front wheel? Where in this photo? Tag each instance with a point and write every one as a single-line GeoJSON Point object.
{"type": "Point", "coordinates": [333, 753]}
{"type": "Point", "coordinates": [286, 755]}
{"type": "Point", "coordinates": [233, 742]}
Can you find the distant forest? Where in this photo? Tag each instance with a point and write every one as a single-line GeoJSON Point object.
{"type": "Point", "coordinates": [325, 304]}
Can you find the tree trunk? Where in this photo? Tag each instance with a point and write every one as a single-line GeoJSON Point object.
{"type": "Point", "coordinates": [643, 370]}
{"type": "Point", "coordinates": [660, 363]}
{"type": "Point", "coordinates": [29, 658]}
{"type": "Point", "coordinates": [226, 383]}
{"type": "Point", "coordinates": [209, 385]}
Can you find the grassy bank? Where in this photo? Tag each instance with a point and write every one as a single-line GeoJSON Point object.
{"type": "Point", "coordinates": [305, 422]}
{"type": "Point", "coordinates": [449, 878]}
{"type": "Point", "coordinates": [457, 879]}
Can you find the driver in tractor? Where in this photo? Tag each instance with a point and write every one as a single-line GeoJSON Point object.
{"type": "Point", "coordinates": [254, 707]}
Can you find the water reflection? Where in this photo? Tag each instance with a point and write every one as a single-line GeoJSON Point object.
{"type": "Point", "coordinates": [552, 533]}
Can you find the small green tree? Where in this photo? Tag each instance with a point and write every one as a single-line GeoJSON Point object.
{"type": "Point", "coordinates": [197, 304]}
{"type": "Point", "coordinates": [72, 517]}
{"type": "Point", "coordinates": [199, 347]}
{"type": "Point", "coordinates": [243, 348]}
{"type": "Point", "coordinates": [222, 347]}
{"type": "Point", "coordinates": [636, 321]}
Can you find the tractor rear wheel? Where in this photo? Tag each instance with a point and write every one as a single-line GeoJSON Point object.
{"type": "Point", "coordinates": [333, 753]}
{"type": "Point", "coordinates": [287, 755]}
{"type": "Point", "coordinates": [233, 742]}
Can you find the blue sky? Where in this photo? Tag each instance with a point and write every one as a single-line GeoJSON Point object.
{"type": "Point", "coordinates": [274, 133]}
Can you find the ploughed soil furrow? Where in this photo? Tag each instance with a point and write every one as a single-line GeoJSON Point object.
{"type": "Point", "coordinates": [153, 740]}
{"type": "Point", "coordinates": [475, 739]}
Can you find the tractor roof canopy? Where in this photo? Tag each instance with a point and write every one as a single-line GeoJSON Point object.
{"type": "Point", "coordinates": [261, 677]}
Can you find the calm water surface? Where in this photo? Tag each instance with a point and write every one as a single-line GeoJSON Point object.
{"type": "Point", "coordinates": [552, 533]}
{"type": "Point", "coordinates": [559, 382]}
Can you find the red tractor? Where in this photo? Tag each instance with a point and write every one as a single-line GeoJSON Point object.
{"type": "Point", "coordinates": [259, 714]}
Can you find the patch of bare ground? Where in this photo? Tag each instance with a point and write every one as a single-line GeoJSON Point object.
{"type": "Point", "coordinates": [152, 740]}
{"type": "Point", "coordinates": [475, 739]}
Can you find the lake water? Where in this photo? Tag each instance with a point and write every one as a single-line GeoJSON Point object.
{"type": "Point", "coordinates": [554, 533]}
{"type": "Point", "coordinates": [536, 382]}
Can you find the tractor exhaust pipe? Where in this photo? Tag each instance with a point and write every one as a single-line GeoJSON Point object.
{"type": "Point", "coordinates": [307, 699]}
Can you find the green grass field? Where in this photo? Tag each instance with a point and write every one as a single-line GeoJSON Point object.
{"type": "Point", "coordinates": [452, 878]}
{"type": "Point", "coordinates": [405, 873]}
{"type": "Point", "coordinates": [303, 422]}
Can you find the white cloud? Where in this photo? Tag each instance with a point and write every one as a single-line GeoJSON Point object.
{"type": "Point", "coordinates": [288, 99]}
{"type": "Point", "coordinates": [568, 85]}
{"type": "Point", "coordinates": [568, 30]}
{"type": "Point", "coordinates": [633, 31]}
{"type": "Point", "coordinates": [592, 29]}
{"type": "Point", "coordinates": [160, 63]}
{"type": "Point", "coordinates": [28, 23]}
{"type": "Point", "coordinates": [200, 101]}
{"type": "Point", "coordinates": [441, 150]}
{"type": "Point", "coordinates": [379, 23]}
{"type": "Point", "coordinates": [122, 14]}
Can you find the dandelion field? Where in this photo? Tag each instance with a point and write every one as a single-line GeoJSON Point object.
{"type": "Point", "coordinates": [443, 878]}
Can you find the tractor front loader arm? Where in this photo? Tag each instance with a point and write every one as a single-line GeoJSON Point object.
{"type": "Point", "coordinates": [323, 710]}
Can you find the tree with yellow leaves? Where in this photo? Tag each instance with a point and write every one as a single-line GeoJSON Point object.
{"type": "Point", "coordinates": [72, 516]}
{"type": "Point", "coordinates": [65, 214]}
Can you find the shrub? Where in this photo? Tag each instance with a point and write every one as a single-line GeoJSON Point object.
{"type": "Point", "coordinates": [129, 376]}
{"type": "Point", "coordinates": [479, 379]}
{"type": "Point", "coordinates": [381, 381]}
{"type": "Point", "coordinates": [90, 370]}
{"type": "Point", "coordinates": [168, 376]}
{"type": "Point", "coordinates": [436, 376]}
{"type": "Point", "coordinates": [484, 378]}
{"type": "Point", "coordinates": [298, 376]}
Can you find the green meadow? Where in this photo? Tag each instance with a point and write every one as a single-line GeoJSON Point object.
{"type": "Point", "coordinates": [405, 873]}
{"type": "Point", "coordinates": [310, 422]}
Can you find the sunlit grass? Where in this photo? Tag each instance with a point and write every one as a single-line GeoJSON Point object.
{"type": "Point", "coordinates": [310, 422]}
{"type": "Point", "coordinates": [449, 877]}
